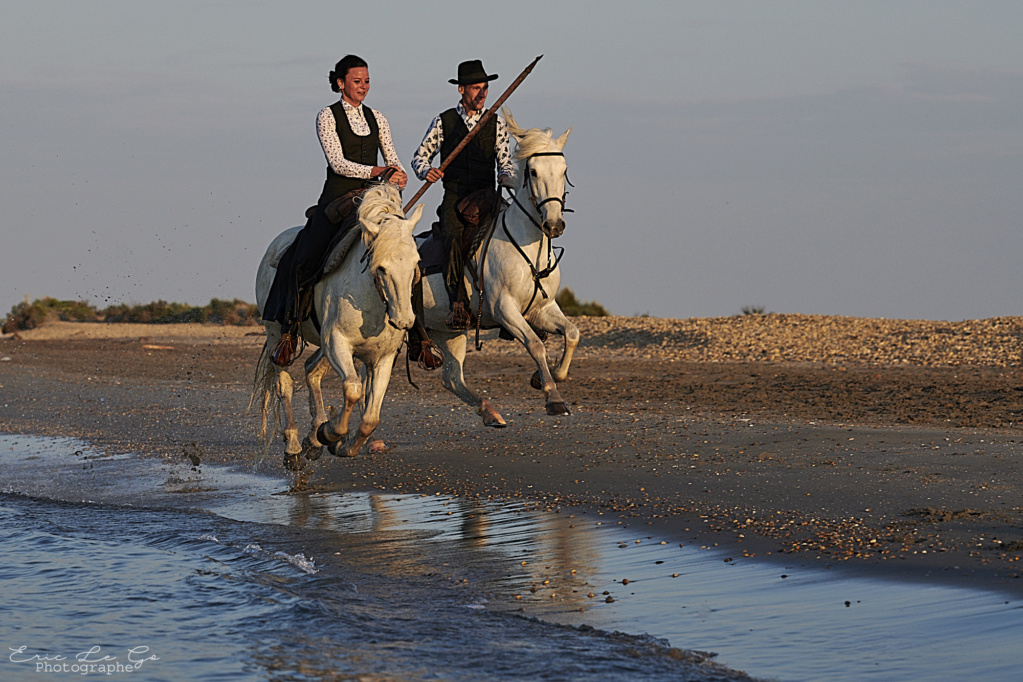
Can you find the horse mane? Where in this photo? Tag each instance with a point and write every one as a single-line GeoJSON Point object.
{"type": "Point", "coordinates": [527, 142]}
{"type": "Point", "coordinates": [380, 205]}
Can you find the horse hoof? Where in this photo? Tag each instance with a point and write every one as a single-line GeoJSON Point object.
{"type": "Point", "coordinates": [379, 447]}
{"type": "Point", "coordinates": [535, 382]}
{"type": "Point", "coordinates": [491, 417]}
{"type": "Point", "coordinates": [293, 462]}
{"type": "Point", "coordinates": [310, 451]}
{"type": "Point", "coordinates": [557, 409]}
{"type": "Point", "coordinates": [339, 448]}
{"type": "Point", "coordinates": [495, 422]}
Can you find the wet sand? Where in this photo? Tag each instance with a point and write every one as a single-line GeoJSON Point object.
{"type": "Point", "coordinates": [887, 447]}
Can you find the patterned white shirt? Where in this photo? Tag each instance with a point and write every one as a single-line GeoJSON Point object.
{"type": "Point", "coordinates": [326, 130]}
{"type": "Point", "coordinates": [430, 145]}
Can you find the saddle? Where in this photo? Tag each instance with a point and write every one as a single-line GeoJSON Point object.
{"type": "Point", "coordinates": [476, 205]}
{"type": "Point", "coordinates": [340, 208]}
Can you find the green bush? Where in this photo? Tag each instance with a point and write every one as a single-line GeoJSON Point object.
{"type": "Point", "coordinates": [27, 315]}
{"type": "Point", "coordinates": [573, 307]}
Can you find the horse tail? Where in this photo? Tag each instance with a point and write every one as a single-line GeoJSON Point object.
{"type": "Point", "coordinates": [264, 387]}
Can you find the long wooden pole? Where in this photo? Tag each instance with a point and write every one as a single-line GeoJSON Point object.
{"type": "Point", "coordinates": [472, 133]}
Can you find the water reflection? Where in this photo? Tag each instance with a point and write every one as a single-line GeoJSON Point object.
{"type": "Point", "coordinates": [503, 557]}
{"type": "Point", "coordinates": [568, 568]}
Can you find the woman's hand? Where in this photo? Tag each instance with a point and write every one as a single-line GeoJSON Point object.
{"type": "Point", "coordinates": [399, 178]}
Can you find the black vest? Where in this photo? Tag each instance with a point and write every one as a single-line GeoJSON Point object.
{"type": "Point", "coordinates": [473, 168]}
{"type": "Point", "coordinates": [357, 149]}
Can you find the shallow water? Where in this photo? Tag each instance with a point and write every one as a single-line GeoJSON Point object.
{"type": "Point", "coordinates": [221, 578]}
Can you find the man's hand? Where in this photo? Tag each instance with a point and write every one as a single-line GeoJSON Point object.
{"type": "Point", "coordinates": [434, 175]}
{"type": "Point", "coordinates": [506, 180]}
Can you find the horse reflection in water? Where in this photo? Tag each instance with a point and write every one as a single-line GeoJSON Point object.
{"type": "Point", "coordinates": [519, 275]}
{"type": "Point", "coordinates": [548, 559]}
{"type": "Point", "coordinates": [365, 308]}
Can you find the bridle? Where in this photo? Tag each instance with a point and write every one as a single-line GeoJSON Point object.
{"type": "Point", "coordinates": [527, 182]}
{"type": "Point", "coordinates": [552, 260]}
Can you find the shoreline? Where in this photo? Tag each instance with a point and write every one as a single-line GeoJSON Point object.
{"type": "Point", "coordinates": [854, 465]}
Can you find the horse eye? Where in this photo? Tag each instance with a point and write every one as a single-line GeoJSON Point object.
{"type": "Point", "coordinates": [532, 172]}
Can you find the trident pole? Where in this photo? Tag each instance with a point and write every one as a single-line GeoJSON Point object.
{"type": "Point", "coordinates": [472, 133]}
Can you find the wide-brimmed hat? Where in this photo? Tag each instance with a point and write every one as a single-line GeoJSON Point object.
{"type": "Point", "coordinates": [471, 72]}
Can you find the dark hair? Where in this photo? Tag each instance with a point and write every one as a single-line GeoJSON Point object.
{"type": "Point", "coordinates": [342, 68]}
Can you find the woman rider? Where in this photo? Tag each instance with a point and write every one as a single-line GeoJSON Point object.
{"type": "Point", "coordinates": [351, 135]}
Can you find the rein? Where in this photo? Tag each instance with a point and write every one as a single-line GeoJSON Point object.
{"type": "Point", "coordinates": [376, 276]}
{"type": "Point", "coordinates": [537, 274]}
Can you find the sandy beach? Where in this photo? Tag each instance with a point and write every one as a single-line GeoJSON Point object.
{"type": "Point", "coordinates": [884, 446]}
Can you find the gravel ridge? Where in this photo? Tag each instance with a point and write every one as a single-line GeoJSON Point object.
{"type": "Point", "coordinates": [773, 338]}
{"type": "Point", "coordinates": [996, 342]}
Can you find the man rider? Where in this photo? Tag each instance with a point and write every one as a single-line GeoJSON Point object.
{"type": "Point", "coordinates": [485, 158]}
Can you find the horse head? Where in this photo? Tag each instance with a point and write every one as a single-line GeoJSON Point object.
{"type": "Point", "coordinates": [544, 172]}
{"type": "Point", "coordinates": [391, 253]}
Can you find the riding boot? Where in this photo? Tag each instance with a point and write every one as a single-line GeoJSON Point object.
{"type": "Point", "coordinates": [283, 352]}
{"type": "Point", "coordinates": [421, 349]}
{"type": "Point", "coordinates": [460, 317]}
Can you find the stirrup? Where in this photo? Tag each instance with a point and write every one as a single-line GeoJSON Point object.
{"type": "Point", "coordinates": [283, 353]}
{"type": "Point", "coordinates": [423, 352]}
{"type": "Point", "coordinates": [429, 357]}
{"type": "Point", "coordinates": [459, 318]}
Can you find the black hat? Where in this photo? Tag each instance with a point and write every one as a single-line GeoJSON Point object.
{"type": "Point", "coordinates": [471, 72]}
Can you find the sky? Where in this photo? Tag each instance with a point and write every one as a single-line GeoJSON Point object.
{"type": "Point", "coordinates": [838, 158]}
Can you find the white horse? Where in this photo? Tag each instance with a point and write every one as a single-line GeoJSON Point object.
{"type": "Point", "coordinates": [365, 308]}
{"type": "Point", "coordinates": [520, 275]}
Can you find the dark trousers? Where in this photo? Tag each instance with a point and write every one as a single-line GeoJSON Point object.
{"type": "Point", "coordinates": [451, 229]}
{"type": "Point", "coordinates": [299, 268]}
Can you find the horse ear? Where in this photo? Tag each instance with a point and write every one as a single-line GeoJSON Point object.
{"type": "Point", "coordinates": [563, 139]}
{"type": "Point", "coordinates": [417, 213]}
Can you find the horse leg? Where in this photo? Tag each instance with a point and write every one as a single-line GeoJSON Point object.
{"type": "Point", "coordinates": [553, 321]}
{"type": "Point", "coordinates": [453, 347]}
{"type": "Point", "coordinates": [315, 367]}
{"type": "Point", "coordinates": [509, 317]}
{"type": "Point", "coordinates": [377, 378]}
{"type": "Point", "coordinates": [335, 429]}
{"type": "Point", "coordinates": [292, 448]}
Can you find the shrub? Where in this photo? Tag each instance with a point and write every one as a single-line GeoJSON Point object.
{"type": "Point", "coordinates": [573, 307]}
{"type": "Point", "coordinates": [27, 315]}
